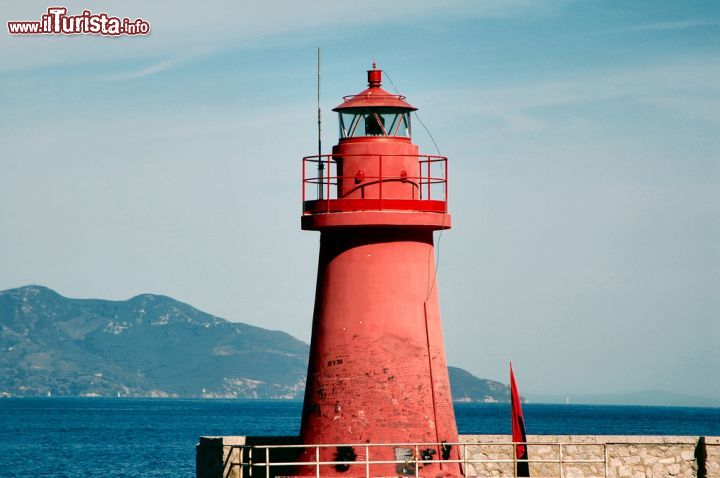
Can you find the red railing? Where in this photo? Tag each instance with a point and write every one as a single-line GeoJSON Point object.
{"type": "Point", "coordinates": [322, 185]}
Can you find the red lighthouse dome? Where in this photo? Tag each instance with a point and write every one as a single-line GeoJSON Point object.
{"type": "Point", "coordinates": [374, 96]}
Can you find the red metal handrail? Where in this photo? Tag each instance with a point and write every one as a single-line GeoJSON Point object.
{"type": "Point", "coordinates": [328, 183]}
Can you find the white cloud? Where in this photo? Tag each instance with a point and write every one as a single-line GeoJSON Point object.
{"type": "Point", "coordinates": [147, 71]}
{"type": "Point", "coordinates": [688, 87]}
{"type": "Point", "coordinates": [675, 25]}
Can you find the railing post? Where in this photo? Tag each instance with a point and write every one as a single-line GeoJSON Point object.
{"type": "Point", "coordinates": [367, 461]}
{"type": "Point", "coordinates": [267, 462]}
{"type": "Point", "coordinates": [328, 181]}
{"type": "Point", "coordinates": [514, 455]}
{"type": "Point", "coordinates": [250, 461]}
{"type": "Point", "coordinates": [303, 185]}
{"type": "Point", "coordinates": [417, 463]}
{"type": "Point", "coordinates": [317, 461]}
{"type": "Point", "coordinates": [464, 470]}
{"type": "Point", "coordinates": [429, 194]}
{"type": "Point", "coordinates": [560, 454]}
{"type": "Point", "coordinates": [447, 181]}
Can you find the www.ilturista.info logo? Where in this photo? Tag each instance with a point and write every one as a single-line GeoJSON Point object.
{"type": "Point", "coordinates": [58, 22]}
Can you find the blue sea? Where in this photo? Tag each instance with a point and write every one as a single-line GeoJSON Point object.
{"type": "Point", "coordinates": [107, 437]}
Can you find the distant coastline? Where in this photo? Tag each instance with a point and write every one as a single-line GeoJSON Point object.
{"type": "Point", "coordinates": [614, 400]}
{"type": "Point", "coordinates": [153, 346]}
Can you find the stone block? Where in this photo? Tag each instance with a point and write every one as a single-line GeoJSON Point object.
{"type": "Point", "coordinates": [573, 472]}
{"type": "Point", "coordinates": [624, 471]}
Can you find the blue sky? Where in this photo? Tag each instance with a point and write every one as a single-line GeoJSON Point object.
{"type": "Point", "coordinates": [583, 146]}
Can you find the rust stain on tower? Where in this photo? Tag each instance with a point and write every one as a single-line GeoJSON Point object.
{"type": "Point", "coordinates": [377, 371]}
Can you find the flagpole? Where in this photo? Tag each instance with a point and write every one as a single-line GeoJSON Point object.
{"type": "Point", "coordinates": [520, 452]}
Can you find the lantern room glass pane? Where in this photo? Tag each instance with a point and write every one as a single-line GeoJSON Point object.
{"type": "Point", "coordinates": [374, 122]}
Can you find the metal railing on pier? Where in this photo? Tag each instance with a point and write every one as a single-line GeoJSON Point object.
{"type": "Point", "coordinates": [476, 459]}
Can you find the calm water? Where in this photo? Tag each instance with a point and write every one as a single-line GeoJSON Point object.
{"type": "Point", "coordinates": [98, 437]}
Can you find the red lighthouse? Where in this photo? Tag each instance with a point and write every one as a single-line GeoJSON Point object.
{"type": "Point", "coordinates": [377, 372]}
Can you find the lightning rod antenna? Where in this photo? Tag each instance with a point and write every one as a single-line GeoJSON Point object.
{"type": "Point", "coordinates": [321, 167]}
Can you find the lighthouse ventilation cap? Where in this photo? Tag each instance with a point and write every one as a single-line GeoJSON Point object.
{"type": "Point", "coordinates": [374, 96]}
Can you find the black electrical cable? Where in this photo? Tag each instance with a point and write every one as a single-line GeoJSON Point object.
{"type": "Point", "coordinates": [437, 149]}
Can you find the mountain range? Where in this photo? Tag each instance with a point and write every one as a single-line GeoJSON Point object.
{"type": "Point", "coordinates": [156, 346]}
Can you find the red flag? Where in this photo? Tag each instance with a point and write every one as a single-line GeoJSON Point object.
{"type": "Point", "coordinates": [518, 427]}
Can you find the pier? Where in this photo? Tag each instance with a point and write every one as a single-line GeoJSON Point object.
{"type": "Point", "coordinates": [561, 456]}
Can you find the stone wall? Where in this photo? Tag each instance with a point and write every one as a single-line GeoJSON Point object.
{"type": "Point", "coordinates": [582, 456]}
{"type": "Point", "coordinates": [599, 456]}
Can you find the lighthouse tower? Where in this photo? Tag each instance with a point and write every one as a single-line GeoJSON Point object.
{"type": "Point", "coordinates": [377, 372]}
